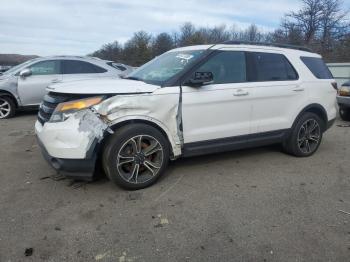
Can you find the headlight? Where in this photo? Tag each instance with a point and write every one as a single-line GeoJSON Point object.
{"type": "Point", "coordinates": [66, 109]}
{"type": "Point", "coordinates": [344, 91]}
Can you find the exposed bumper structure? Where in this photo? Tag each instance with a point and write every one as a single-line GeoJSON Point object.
{"type": "Point", "coordinates": [71, 146]}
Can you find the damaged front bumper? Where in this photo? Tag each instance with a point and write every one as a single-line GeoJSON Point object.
{"type": "Point", "coordinates": [71, 146]}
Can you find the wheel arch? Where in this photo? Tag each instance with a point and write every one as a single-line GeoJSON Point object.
{"type": "Point", "coordinates": [317, 109]}
{"type": "Point", "coordinates": [175, 148]}
{"type": "Point", "coordinates": [7, 93]}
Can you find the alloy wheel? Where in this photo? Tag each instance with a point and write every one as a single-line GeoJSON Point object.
{"type": "Point", "coordinates": [140, 159]}
{"type": "Point", "coordinates": [5, 108]}
{"type": "Point", "coordinates": [309, 136]}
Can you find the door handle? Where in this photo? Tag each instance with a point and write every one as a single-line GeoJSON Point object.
{"type": "Point", "coordinates": [298, 89]}
{"type": "Point", "coordinates": [55, 81]}
{"type": "Point", "coordinates": [240, 92]}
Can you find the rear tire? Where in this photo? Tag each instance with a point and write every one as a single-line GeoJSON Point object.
{"type": "Point", "coordinates": [7, 107]}
{"type": "Point", "coordinates": [135, 156]}
{"type": "Point", "coordinates": [306, 135]}
{"type": "Point", "coordinates": [344, 113]}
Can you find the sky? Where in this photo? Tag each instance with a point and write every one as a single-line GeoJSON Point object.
{"type": "Point", "coordinates": [79, 27]}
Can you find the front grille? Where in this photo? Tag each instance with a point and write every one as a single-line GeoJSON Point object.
{"type": "Point", "coordinates": [50, 102]}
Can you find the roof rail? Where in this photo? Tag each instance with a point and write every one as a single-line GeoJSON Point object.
{"type": "Point", "coordinates": [63, 56]}
{"type": "Point", "coordinates": [234, 42]}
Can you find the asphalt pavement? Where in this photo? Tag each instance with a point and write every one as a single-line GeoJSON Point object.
{"type": "Point", "coordinates": [249, 205]}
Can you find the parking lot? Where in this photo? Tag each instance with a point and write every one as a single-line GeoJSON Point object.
{"type": "Point", "coordinates": [251, 205]}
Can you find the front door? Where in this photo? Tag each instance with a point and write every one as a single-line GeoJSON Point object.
{"type": "Point", "coordinates": [31, 89]}
{"type": "Point", "coordinates": [222, 109]}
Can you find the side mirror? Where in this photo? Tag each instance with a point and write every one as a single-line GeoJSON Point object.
{"type": "Point", "coordinates": [200, 79]}
{"type": "Point", "coordinates": [25, 72]}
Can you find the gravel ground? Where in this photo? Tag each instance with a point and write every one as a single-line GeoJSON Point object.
{"type": "Point", "coordinates": [250, 205]}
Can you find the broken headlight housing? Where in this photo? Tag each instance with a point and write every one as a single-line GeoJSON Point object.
{"type": "Point", "coordinates": [66, 109]}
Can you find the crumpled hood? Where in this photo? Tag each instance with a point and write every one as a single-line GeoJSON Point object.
{"type": "Point", "coordinates": [103, 86]}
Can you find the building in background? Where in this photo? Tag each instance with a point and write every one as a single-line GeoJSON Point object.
{"type": "Point", "coordinates": [340, 71]}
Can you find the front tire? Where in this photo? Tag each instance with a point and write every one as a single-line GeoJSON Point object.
{"type": "Point", "coordinates": [306, 136]}
{"type": "Point", "coordinates": [135, 156]}
{"type": "Point", "coordinates": [344, 113]}
{"type": "Point", "coordinates": [7, 107]}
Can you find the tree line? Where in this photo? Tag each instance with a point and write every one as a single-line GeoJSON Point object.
{"type": "Point", "coordinates": [321, 25]}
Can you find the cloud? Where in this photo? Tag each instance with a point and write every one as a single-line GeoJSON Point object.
{"type": "Point", "coordinates": [81, 26]}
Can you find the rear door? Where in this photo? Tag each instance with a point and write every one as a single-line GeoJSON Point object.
{"type": "Point", "coordinates": [276, 91]}
{"type": "Point", "coordinates": [76, 70]}
{"type": "Point", "coordinates": [31, 89]}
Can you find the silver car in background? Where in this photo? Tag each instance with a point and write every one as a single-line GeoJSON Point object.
{"type": "Point", "coordinates": [25, 85]}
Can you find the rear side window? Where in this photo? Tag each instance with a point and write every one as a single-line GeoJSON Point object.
{"type": "Point", "coordinates": [80, 67]}
{"type": "Point", "coordinates": [269, 67]}
{"type": "Point", "coordinates": [317, 67]}
{"type": "Point", "coordinates": [227, 67]}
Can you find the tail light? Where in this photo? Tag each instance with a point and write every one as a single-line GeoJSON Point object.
{"type": "Point", "coordinates": [344, 91]}
{"type": "Point", "coordinates": [335, 85]}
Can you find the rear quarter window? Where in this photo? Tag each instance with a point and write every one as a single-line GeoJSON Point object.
{"type": "Point", "coordinates": [81, 67]}
{"type": "Point", "coordinates": [317, 67]}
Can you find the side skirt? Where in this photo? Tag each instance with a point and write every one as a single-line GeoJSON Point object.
{"type": "Point", "coordinates": [234, 143]}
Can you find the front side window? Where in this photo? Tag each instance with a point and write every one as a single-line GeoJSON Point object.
{"type": "Point", "coordinates": [15, 70]}
{"type": "Point", "coordinates": [164, 67]}
{"type": "Point", "coordinates": [51, 67]}
{"type": "Point", "coordinates": [269, 67]}
{"type": "Point", "coordinates": [227, 67]}
{"type": "Point", "coordinates": [80, 67]}
{"type": "Point", "coordinates": [317, 67]}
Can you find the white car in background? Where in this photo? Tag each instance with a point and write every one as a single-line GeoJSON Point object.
{"type": "Point", "coordinates": [25, 85]}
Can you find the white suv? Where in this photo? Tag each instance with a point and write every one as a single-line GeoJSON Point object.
{"type": "Point", "coordinates": [189, 101]}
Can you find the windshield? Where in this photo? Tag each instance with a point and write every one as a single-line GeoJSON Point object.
{"type": "Point", "coordinates": [162, 68]}
{"type": "Point", "coordinates": [14, 69]}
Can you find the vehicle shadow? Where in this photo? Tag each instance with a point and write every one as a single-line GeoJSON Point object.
{"type": "Point", "coordinates": [24, 113]}
{"type": "Point", "coordinates": [236, 155]}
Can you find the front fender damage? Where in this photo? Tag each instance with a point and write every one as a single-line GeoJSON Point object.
{"type": "Point", "coordinates": [160, 109]}
{"type": "Point", "coordinates": [92, 126]}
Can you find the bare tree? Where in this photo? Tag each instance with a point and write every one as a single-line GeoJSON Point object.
{"type": "Point", "coordinates": [320, 24]}
{"type": "Point", "coordinates": [218, 34]}
{"type": "Point", "coordinates": [332, 23]}
{"type": "Point", "coordinates": [110, 51]}
{"type": "Point", "coordinates": [187, 34]}
{"type": "Point", "coordinates": [308, 18]}
{"type": "Point", "coordinates": [162, 43]}
{"type": "Point", "coordinates": [137, 50]}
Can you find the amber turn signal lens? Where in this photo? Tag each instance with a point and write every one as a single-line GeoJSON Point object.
{"type": "Point", "coordinates": [78, 104]}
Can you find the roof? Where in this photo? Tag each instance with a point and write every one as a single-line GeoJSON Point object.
{"type": "Point", "coordinates": [338, 64]}
{"type": "Point", "coordinates": [70, 57]}
{"type": "Point", "coordinates": [246, 46]}
{"type": "Point", "coordinates": [288, 46]}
